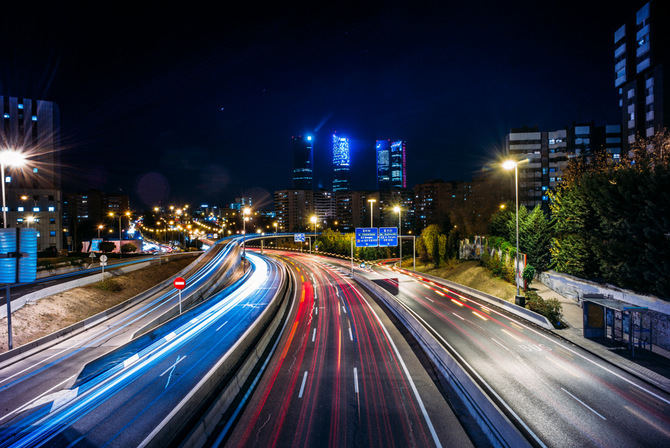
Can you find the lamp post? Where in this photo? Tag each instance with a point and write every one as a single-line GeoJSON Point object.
{"type": "Point", "coordinates": [29, 219]}
{"type": "Point", "coordinates": [399, 212]}
{"type": "Point", "coordinates": [510, 165]}
{"type": "Point", "coordinates": [246, 211]}
{"type": "Point", "coordinates": [100, 227]}
{"type": "Point", "coordinates": [313, 220]}
{"type": "Point", "coordinates": [274, 224]}
{"type": "Point", "coordinates": [8, 157]}
{"type": "Point", "coordinates": [372, 202]}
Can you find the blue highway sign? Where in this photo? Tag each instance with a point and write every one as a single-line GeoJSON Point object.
{"type": "Point", "coordinates": [366, 237]}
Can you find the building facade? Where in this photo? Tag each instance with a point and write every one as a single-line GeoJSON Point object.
{"type": "Point", "coordinates": [641, 59]}
{"type": "Point", "coordinates": [293, 208]}
{"type": "Point", "coordinates": [33, 193]}
{"type": "Point", "coordinates": [303, 162]}
{"type": "Point", "coordinates": [391, 164]}
{"type": "Point", "coordinates": [548, 154]}
{"type": "Point", "coordinates": [341, 164]}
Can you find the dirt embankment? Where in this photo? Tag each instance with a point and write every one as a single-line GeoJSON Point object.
{"type": "Point", "coordinates": [60, 310]}
{"type": "Point", "coordinates": [470, 273]}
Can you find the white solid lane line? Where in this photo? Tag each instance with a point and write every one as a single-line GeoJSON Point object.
{"type": "Point", "coordinates": [221, 326]}
{"type": "Point", "coordinates": [302, 387]}
{"type": "Point", "coordinates": [584, 404]}
{"type": "Point", "coordinates": [356, 380]}
{"type": "Point", "coordinates": [313, 335]}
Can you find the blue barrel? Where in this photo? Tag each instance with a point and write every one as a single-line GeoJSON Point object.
{"type": "Point", "coordinates": [7, 265]}
{"type": "Point", "coordinates": [28, 263]}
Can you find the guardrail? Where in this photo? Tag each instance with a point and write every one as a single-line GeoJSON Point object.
{"type": "Point", "coordinates": [194, 421]}
{"type": "Point", "coordinates": [524, 313]}
{"type": "Point", "coordinates": [461, 382]}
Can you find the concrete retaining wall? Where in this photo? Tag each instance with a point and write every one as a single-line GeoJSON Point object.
{"type": "Point", "coordinates": [494, 424]}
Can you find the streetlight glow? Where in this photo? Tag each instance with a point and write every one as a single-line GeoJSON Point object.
{"type": "Point", "coordinates": [509, 165]}
{"type": "Point", "coordinates": [9, 157]}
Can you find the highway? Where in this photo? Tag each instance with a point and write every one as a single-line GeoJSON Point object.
{"type": "Point", "coordinates": [561, 394]}
{"type": "Point", "coordinates": [31, 381]}
{"type": "Point", "coordinates": [341, 375]}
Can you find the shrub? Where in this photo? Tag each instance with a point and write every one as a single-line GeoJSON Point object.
{"type": "Point", "coordinates": [528, 273]}
{"type": "Point", "coordinates": [109, 284]}
{"type": "Point", "coordinates": [107, 246]}
{"type": "Point", "coordinates": [550, 308]}
{"type": "Point", "coordinates": [128, 248]}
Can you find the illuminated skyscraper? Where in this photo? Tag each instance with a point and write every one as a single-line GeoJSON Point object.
{"type": "Point", "coordinates": [391, 164]}
{"type": "Point", "coordinates": [341, 164]}
{"type": "Point", "coordinates": [302, 162]}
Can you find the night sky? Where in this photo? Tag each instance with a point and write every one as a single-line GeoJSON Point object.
{"type": "Point", "coordinates": [199, 104]}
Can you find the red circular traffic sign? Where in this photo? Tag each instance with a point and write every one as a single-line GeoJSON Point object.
{"type": "Point", "coordinates": [179, 283]}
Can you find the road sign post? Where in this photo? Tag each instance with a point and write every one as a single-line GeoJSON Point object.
{"type": "Point", "coordinates": [103, 263]}
{"type": "Point", "coordinates": [179, 283]}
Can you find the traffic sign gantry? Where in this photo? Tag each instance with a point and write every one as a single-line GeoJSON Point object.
{"type": "Point", "coordinates": [179, 283]}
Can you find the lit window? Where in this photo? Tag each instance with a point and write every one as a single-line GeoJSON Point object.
{"type": "Point", "coordinates": [36, 209]}
{"type": "Point", "coordinates": [544, 188]}
{"type": "Point", "coordinates": [19, 219]}
{"type": "Point", "coordinates": [19, 209]}
{"type": "Point", "coordinates": [8, 179]}
{"type": "Point", "coordinates": [545, 197]}
{"type": "Point", "coordinates": [52, 233]}
{"type": "Point", "coordinates": [35, 170]}
{"type": "Point", "coordinates": [52, 208]}
{"type": "Point", "coordinates": [5, 116]}
{"type": "Point", "coordinates": [20, 106]}
{"type": "Point", "coordinates": [38, 234]}
{"type": "Point", "coordinates": [34, 118]}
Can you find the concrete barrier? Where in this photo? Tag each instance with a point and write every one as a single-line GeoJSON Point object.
{"type": "Point", "coordinates": [23, 351]}
{"type": "Point", "coordinates": [194, 420]}
{"type": "Point", "coordinates": [462, 382]}
{"type": "Point", "coordinates": [524, 313]}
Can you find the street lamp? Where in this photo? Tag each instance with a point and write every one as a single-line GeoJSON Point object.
{"type": "Point", "coordinates": [398, 210]}
{"type": "Point", "coordinates": [274, 224]}
{"type": "Point", "coordinates": [371, 201]}
{"type": "Point", "coordinates": [8, 157]}
{"type": "Point", "coordinates": [510, 165]}
{"type": "Point", "coordinates": [313, 220]}
{"type": "Point", "coordinates": [30, 219]}
{"type": "Point", "coordinates": [100, 227]}
{"type": "Point", "coordinates": [246, 211]}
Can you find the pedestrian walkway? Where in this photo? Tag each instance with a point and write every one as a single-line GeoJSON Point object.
{"type": "Point", "coordinates": [651, 367]}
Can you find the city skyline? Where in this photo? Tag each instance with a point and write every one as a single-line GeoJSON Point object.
{"type": "Point", "coordinates": [216, 113]}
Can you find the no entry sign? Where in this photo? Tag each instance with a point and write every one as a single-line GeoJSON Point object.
{"type": "Point", "coordinates": [179, 283]}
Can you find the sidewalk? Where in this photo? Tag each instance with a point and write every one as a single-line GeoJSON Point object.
{"type": "Point", "coordinates": [651, 367]}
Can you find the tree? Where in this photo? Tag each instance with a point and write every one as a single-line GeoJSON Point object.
{"type": "Point", "coordinates": [430, 239]}
{"type": "Point", "coordinates": [442, 246]}
{"type": "Point", "coordinates": [128, 248]}
{"type": "Point", "coordinates": [535, 238]}
{"type": "Point", "coordinates": [107, 246]}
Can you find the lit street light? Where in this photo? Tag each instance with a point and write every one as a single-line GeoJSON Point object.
{"type": "Point", "coordinates": [372, 202]}
{"type": "Point", "coordinates": [509, 165]}
{"type": "Point", "coordinates": [246, 211]}
{"type": "Point", "coordinates": [100, 227]}
{"type": "Point", "coordinates": [398, 210]}
{"type": "Point", "coordinates": [8, 158]}
{"type": "Point", "coordinates": [29, 219]}
{"type": "Point", "coordinates": [313, 220]}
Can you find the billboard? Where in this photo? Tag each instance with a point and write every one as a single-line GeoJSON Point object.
{"type": "Point", "coordinates": [95, 244]}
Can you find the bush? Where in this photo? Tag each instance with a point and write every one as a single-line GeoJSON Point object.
{"type": "Point", "coordinates": [109, 284]}
{"type": "Point", "coordinates": [550, 308]}
{"type": "Point", "coordinates": [107, 246]}
{"type": "Point", "coordinates": [528, 273]}
{"type": "Point", "coordinates": [128, 248]}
